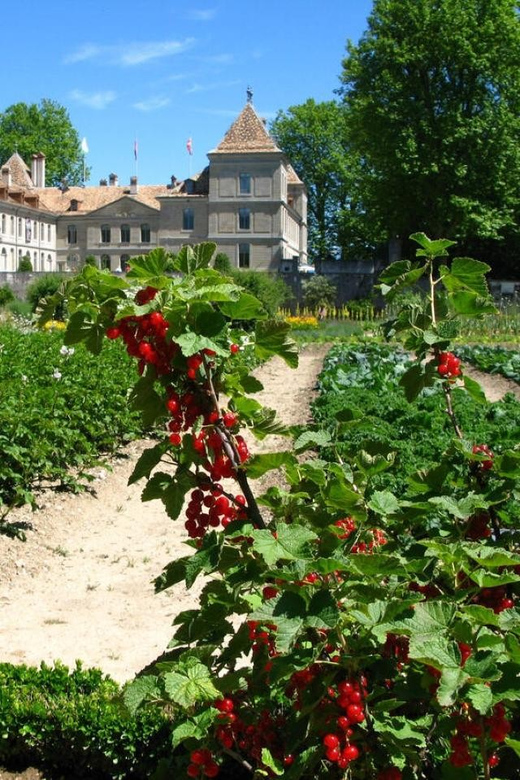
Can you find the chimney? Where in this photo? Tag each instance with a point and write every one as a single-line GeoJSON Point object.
{"type": "Point", "coordinates": [133, 185]}
{"type": "Point", "coordinates": [113, 181]}
{"type": "Point", "coordinates": [6, 176]}
{"type": "Point", "coordinates": [102, 182]}
{"type": "Point", "coordinates": [38, 170]}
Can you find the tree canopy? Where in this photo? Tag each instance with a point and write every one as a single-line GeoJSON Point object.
{"type": "Point", "coordinates": [431, 95]}
{"type": "Point", "coordinates": [44, 127]}
{"type": "Point", "coordinates": [313, 137]}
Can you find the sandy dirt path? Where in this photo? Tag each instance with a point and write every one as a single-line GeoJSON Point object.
{"type": "Point", "coordinates": [80, 587]}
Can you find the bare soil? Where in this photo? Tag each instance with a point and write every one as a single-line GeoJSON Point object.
{"type": "Point", "coordinates": [81, 587]}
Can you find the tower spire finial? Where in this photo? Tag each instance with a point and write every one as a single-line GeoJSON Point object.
{"type": "Point", "coordinates": [249, 93]}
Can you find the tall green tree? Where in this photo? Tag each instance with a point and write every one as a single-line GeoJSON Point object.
{"type": "Point", "coordinates": [44, 127]}
{"type": "Point", "coordinates": [432, 97]}
{"type": "Point", "coordinates": [313, 137]}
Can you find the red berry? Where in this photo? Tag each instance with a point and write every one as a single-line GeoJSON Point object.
{"type": "Point", "coordinates": [330, 741]}
{"type": "Point", "coordinates": [113, 332]}
{"type": "Point", "coordinates": [234, 348]}
{"type": "Point", "coordinates": [193, 770]}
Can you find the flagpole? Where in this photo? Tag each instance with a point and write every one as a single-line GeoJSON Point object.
{"type": "Point", "coordinates": [136, 155]}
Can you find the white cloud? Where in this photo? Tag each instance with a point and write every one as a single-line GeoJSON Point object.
{"type": "Point", "coordinates": [98, 100]}
{"type": "Point", "coordinates": [202, 15]}
{"type": "Point", "coordinates": [211, 86]}
{"type": "Point", "coordinates": [131, 53]}
{"type": "Point", "coordinates": [152, 104]}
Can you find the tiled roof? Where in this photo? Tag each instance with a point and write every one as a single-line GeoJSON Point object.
{"type": "Point", "coordinates": [20, 173]}
{"type": "Point", "coordinates": [247, 134]}
{"type": "Point", "coordinates": [292, 176]}
{"type": "Point", "coordinates": [92, 198]}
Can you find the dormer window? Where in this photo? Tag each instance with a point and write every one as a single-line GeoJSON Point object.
{"type": "Point", "coordinates": [73, 205]}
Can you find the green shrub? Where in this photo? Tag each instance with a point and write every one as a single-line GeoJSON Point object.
{"type": "Point", "coordinates": [6, 295]}
{"type": "Point", "coordinates": [318, 293]}
{"type": "Point", "coordinates": [222, 263]}
{"type": "Point", "coordinates": [25, 265]}
{"type": "Point", "coordinates": [73, 724]}
{"type": "Point", "coordinates": [43, 287]}
{"type": "Point", "coordinates": [270, 290]}
{"type": "Point", "coordinates": [91, 260]}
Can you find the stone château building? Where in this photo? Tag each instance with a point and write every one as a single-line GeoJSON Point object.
{"type": "Point", "coordinates": [248, 200]}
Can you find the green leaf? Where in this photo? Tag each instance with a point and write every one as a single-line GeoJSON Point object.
{"type": "Point", "coordinates": [259, 465]}
{"type": "Point", "coordinates": [383, 503]}
{"type": "Point", "coordinates": [140, 690]}
{"type": "Point", "coordinates": [196, 727]}
{"type": "Point", "coordinates": [146, 463]}
{"type": "Point", "coordinates": [402, 729]}
{"type": "Point", "coordinates": [272, 338]}
{"type": "Point", "coordinates": [171, 489]}
{"type": "Point", "coordinates": [474, 390]}
{"type": "Point", "coordinates": [271, 763]}
{"type": "Point", "coordinates": [247, 307]}
{"type": "Point", "coordinates": [311, 439]}
{"type": "Point", "coordinates": [290, 544]}
{"type": "Point", "coordinates": [145, 399]}
{"type": "Point", "coordinates": [323, 612]}
{"type": "Point", "coordinates": [481, 696]}
{"type": "Point", "coordinates": [82, 327]}
{"type": "Point", "coordinates": [416, 378]}
{"type": "Point", "coordinates": [151, 266]}
{"type": "Point", "coordinates": [514, 744]}
{"type": "Point", "coordinates": [435, 248]}
{"type": "Point", "coordinates": [191, 685]}
{"type": "Point", "coordinates": [452, 680]}
{"type": "Point", "coordinates": [190, 343]}
{"type": "Point", "coordinates": [192, 258]}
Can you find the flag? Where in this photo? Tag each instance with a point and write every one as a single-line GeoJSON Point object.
{"type": "Point", "coordinates": [189, 146]}
{"type": "Point", "coordinates": [136, 149]}
{"type": "Point", "coordinates": [84, 146]}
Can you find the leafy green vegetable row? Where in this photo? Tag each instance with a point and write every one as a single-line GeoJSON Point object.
{"type": "Point", "coordinates": [59, 408]}
{"type": "Point", "coordinates": [361, 402]}
{"type": "Point", "coordinates": [495, 360]}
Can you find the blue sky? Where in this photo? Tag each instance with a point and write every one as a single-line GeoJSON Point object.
{"type": "Point", "coordinates": [163, 71]}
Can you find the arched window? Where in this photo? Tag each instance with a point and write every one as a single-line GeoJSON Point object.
{"type": "Point", "coordinates": [244, 219]}
{"type": "Point", "coordinates": [49, 233]}
{"type": "Point", "coordinates": [125, 259]}
{"type": "Point", "coordinates": [105, 262]}
{"type": "Point", "coordinates": [42, 231]}
{"type": "Point", "coordinates": [105, 234]}
{"type": "Point", "coordinates": [125, 234]}
{"type": "Point", "coordinates": [145, 233]}
{"type": "Point", "coordinates": [12, 225]}
{"type": "Point", "coordinates": [244, 255]}
{"type": "Point", "coordinates": [3, 262]}
{"type": "Point", "coordinates": [72, 234]}
{"type": "Point", "coordinates": [188, 219]}
{"type": "Point", "coordinates": [3, 223]}
{"type": "Point", "coordinates": [19, 227]}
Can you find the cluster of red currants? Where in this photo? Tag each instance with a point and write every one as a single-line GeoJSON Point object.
{"type": "Point", "coordinates": [495, 599]}
{"type": "Point", "coordinates": [391, 773]}
{"type": "Point", "coordinates": [202, 764]}
{"type": "Point", "coordinates": [378, 539]}
{"type": "Point", "coordinates": [449, 365]}
{"type": "Point", "coordinates": [348, 696]}
{"type": "Point", "coordinates": [211, 509]}
{"type": "Point", "coordinates": [483, 449]}
{"type": "Point", "coordinates": [472, 725]}
{"type": "Point", "coordinates": [250, 739]}
{"type": "Point", "coordinates": [478, 527]}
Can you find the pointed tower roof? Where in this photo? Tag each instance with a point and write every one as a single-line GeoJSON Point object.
{"type": "Point", "coordinates": [247, 134]}
{"type": "Point", "coordinates": [20, 173]}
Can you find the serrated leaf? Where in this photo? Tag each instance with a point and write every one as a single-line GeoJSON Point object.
{"type": "Point", "coordinates": [146, 463]}
{"type": "Point", "coordinates": [269, 761]}
{"type": "Point", "coordinates": [403, 729]}
{"type": "Point", "coordinates": [415, 379]}
{"type": "Point", "coordinates": [291, 543]}
{"type": "Point", "coordinates": [474, 390]}
{"type": "Point", "coordinates": [514, 744]}
{"type": "Point", "coordinates": [452, 680]}
{"type": "Point", "coordinates": [259, 465]}
{"type": "Point", "coordinates": [190, 343]}
{"type": "Point", "coordinates": [191, 686]}
{"type": "Point", "coordinates": [323, 612]}
{"type": "Point", "coordinates": [173, 573]}
{"type": "Point", "coordinates": [192, 258]}
{"type": "Point", "coordinates": [272, 338]}
{"type": "Point", "coordinates": [265, 423]}
{"type": "Point", "coordinates": [195, 728]}
{"type": "Point", "coordinates": [171, 490]}
{"type": "Point", "coordinates": [247, 307]}
{"type": "Point", "coordinates": [150, 266]}
{"type": "Point", "coordinates": [81, 327]}
{"type": "Point", "coordinates": [383, 503]}
{"type": "Point", "coordinates": [481, 696]}
{"type": "Point", "coordinates": [431, 248]}
{"type": "Point", "coordinates": [145, 399]}
{"type": "Point", "coordinates": [311, 439]}
{"type": "Point", "coordinates": [140, 690]}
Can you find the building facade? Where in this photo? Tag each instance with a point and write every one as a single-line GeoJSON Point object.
{"type": "Point", "coordinates": [248, 200]}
